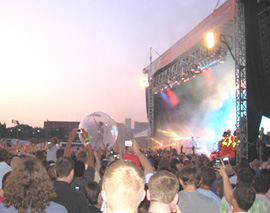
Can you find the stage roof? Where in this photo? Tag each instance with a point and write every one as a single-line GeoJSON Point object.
{"type": "Point", "coordinates": [221, 21]}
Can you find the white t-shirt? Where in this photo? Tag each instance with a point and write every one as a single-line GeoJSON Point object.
{"type": "Point", "coordinates": [51, 153]}
{"type": "Point", "coordinates": [4, 168]}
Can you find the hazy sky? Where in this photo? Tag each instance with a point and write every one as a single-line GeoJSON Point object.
{"type": "Point", "coordinates": [63, 59]}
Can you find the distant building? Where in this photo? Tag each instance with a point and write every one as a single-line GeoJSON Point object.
{"type": "Point", "coordinates": [140, 126]}
{"type": "Point", "coordinates": [128, 124]}
{"type": "Point", "coordinates": [122, 132]}
{"type": "Point", "coordinates": [51, 126]}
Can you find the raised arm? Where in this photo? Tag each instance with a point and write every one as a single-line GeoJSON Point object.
{"type": "Point", "coordinates": [98, 163]}
{"type": "Point", "coordinates": [145, 163]}
{"type": "Point", "coordinates": [228, 190]}
{"type": "Point", "coordinates": [86, 138]}
{"type": "Point", "coordinates": [72, 136]}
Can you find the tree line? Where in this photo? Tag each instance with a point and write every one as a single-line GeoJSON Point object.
{"type": "Point", "coordinates": [33, 134]}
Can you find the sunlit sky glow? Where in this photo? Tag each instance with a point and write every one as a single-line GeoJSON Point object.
{"type": "Point", "coordinates": [61, 60]}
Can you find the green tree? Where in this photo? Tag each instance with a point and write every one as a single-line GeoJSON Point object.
{"type": "Point", "coordinates": [3, 130]}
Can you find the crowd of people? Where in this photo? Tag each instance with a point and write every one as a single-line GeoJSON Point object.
{"type": "Point", "coordinates": [47, 178]}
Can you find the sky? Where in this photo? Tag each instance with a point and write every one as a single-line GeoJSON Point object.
{"type": "Point", "coordinates": [61, 60]}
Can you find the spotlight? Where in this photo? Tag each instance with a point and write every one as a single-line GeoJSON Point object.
{"type": "Point", "coordinates": [210, 39]}
{"type": "Point", "coordinates": [145, 83]}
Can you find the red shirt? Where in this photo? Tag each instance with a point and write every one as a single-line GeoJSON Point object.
{"type": "Point", "coordinates": [2, 199]}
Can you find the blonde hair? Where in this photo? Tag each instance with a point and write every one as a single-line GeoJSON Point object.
{"type": "Point", "coordinates": [123, 184]}
{"type": "Point", "coordinates": [163, 187]}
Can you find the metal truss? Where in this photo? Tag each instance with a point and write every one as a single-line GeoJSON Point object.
{"type": "Point", "coordinates": [150, 109]}
{"type": "Point", "coordinates": [186, 66]}
{"type": "Point", "coordinates": [241, 78]}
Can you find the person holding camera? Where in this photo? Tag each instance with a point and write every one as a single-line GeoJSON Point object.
{"type": "Point", "coordinates": [52, 147]}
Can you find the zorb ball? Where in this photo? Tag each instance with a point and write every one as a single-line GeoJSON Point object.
{"type": "Point", "coordinates": [102, 129]}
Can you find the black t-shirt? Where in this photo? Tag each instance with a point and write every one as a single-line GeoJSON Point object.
{"type": "Point", "coordinates": [74, 200]}
{"type": "Point", "coordinates": [88, 176]}
{"type": "Point", "coordinates": [94, 209]}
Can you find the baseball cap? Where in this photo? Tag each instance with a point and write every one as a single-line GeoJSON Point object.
{"type": "Point", "coordinates": [133, 158]}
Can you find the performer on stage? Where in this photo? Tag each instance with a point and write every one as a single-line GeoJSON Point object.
{"type": "Point", "coordinates": [222, 143]}
{"type": "Point", "coordinates": [229, 141]}
{"type": "Point", "coordinates": [233, 145]}
{"type": "Point", "coordinates": [226, 144]}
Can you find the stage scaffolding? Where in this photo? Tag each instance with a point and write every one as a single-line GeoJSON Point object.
{"type": "Point", "coordinates": [241, 77]}
{"type": "Point", "coordinates": [195, 61]}
{"type": "Point", "coordinates": [187, 66]}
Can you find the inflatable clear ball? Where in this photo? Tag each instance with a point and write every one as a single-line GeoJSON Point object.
{"type": "Point", "coordinates": [101, 128]}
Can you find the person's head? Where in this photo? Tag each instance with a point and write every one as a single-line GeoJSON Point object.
{"type": "Point", "coordinates": [208, 175]}
{"type": "Point", "coordinates": [4, 156]}
{"type": "Point", "coordinates": [79, 169]}
{"type": "Point", "coordinates": [164, 164]}
{"type": "Point", "coordinates": [64, 167]}
{"type": "Point", "coordinates": [15, 161]}
{"type": "Point", "coordinates": [255, 164]}
{"type": "Point", "coordinates": [260, 184]}
{"type": "Point", "coordinates": [163, 188]}
{"type": "Point", "coordinates": [60, 153]}
{"type": "Point", "coordinates": [82, 156]}
{"type": "Point", "coordinates": [174, 152]}
{"type": "Point", "coordinates": [229, 170]}
{"type": "Point", "coordinates": [175, 164]}
{"type": "Point", "coordinates": [190, 175]}
{"type": "Point", "coordinates": [29, 185]}
{"type": "Point", "coordinates": [243, 197]}
{"type": "Point", "coordinates": [53, 141]}
{"type": "Point", "coordinates": [244, 163]}
{"type": "Point", "coordinates": [39, 155]}
{"type": "Point", "coordinates": [123, 186]}
{"type": "Point", "coordinates": [92, 192]}
{"type": "Point", "coordinates": [52, 173]}
{"type": "Point", "coordinates": [134, 158]}
{"type": "Point", "coordinates": [246, 176]}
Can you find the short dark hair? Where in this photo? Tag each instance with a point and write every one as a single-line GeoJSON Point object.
{"type": "Point", "coordinates": [246, 176]}
{"type": "Point", "coordinates": [63, 166]}
{"type": "Point", "coordinates": [190, 174]}
{"type": "Point", "coordinates": [164, 164]}
{"type": "Point", "coordinates": [60, 153]}
{"type": "Point", "coordinates": [208, 174]}
{"type": "Point", "coordinates": [39, 155]}
{"type": "Point", "coordinates": [91, 191]}
{"type": "Point", "coordinates": [173, 163]}
{"type": "Point", "coordinates": [260, 184]}
{"type": "Point", "coordinates": [244, 196]}
{"type": "Point", "coordinates": [4, 155]}
{"type": "Point", "coordinates": [79, 168]}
